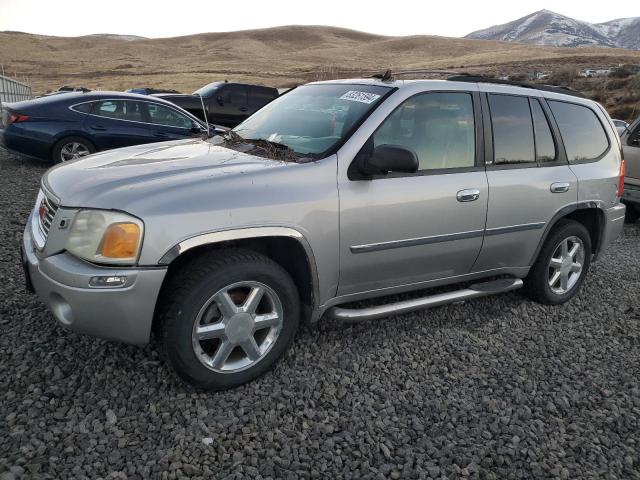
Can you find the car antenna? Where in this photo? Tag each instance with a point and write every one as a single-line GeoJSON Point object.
{"type": "Point", "coordinates": [204, 114]}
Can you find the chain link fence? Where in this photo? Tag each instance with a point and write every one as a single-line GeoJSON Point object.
{"type": "Point", "coordinates": [12, 90]}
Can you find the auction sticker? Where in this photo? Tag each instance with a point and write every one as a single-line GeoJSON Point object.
{"type": "Point", "coordinates": [363, 97]}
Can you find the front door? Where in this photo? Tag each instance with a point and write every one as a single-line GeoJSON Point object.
{"type": "Point", "coordinates": [230, 106]}
{"type": "Point", "coordinates": [402, 229]}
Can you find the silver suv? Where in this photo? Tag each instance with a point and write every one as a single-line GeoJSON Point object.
{"type": "Point", "coordinates": [335, 192]}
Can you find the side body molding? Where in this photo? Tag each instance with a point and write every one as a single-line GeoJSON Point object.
{"type": "Point", "coordinates": [244, 234]}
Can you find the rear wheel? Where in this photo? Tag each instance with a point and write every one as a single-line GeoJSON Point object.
{"type": "Point", "coordinates": [71, 148]}
{"type": "Point", "coordinates": [229, 316]}
{"type": "Point", "coordinates": [562, 265]}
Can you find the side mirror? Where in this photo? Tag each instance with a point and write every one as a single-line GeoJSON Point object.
{"type": "Point", "coordinates": [196, 129]}
{"type": "Point", "coordinates": [390, 158]}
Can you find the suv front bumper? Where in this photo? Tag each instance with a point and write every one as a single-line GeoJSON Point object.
{"type": "Point", "coordinates": [121, 313]}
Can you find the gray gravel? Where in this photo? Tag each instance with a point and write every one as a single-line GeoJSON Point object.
{"type": "Point", "coordinates": [496, 388]}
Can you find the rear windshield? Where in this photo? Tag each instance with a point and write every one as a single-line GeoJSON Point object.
{"type": "Point", "coordinates": [312, 119]}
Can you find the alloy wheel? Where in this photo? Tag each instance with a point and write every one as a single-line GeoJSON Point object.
{"type": "Point", "coordinates": [237, 327]}
{"type": "Point", "coordinates": [566, 264]}
{"type": "Point", "coordinates": [73, 150]}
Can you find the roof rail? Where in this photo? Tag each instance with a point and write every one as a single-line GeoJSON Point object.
{"type": "Point", "coordinates": [465, 77]}
{"type": "Point", "coordinates": [389, 75]}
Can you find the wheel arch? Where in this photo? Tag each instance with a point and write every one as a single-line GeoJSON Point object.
{"type": "Point", "coordinates": [284, 245]}
{"type": "Point", "coordinates": [589, 214]}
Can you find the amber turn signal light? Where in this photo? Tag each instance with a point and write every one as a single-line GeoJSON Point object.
{"type": "Point", "coordinates": [121, 240]}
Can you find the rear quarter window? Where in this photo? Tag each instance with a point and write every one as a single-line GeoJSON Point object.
{"type": "Point", "coordinates": [83, 107]}
{"type": "Point", "coordinates": [582, 133]}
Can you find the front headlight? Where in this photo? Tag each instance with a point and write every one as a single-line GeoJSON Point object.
{"type": "Point", "coordinates": [103, 236]}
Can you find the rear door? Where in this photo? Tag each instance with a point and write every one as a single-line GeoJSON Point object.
{"type": "Point", "coordinates": [529, 178]}
{"type": "Point", "coordinates": [117, 123]}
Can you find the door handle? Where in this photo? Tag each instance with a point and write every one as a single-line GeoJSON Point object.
{"type": "Point", "coordinates": [468, 195]}
{"type": "Point", "coordinates": [160, 135]}
{"type": "Point", "coordinates": [99, 128]}
{"type": "Point", "coordinates": [243, 109]}
{"type": "Point", "coordinates": [559, 187]}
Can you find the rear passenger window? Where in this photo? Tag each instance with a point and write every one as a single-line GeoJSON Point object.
{"type": "Point", "coordinates": [120, 110]}
{"type": "Point", "coordinates": [439, 127]}
{"type": "Point", "coordinates": [545, 146]}
{"type": "Point", "coordinates": [582, 133]}
{"type": "Point", "coordinates": [512, 130]}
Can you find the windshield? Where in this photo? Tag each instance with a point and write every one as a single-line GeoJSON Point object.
{"type": "Point", "coordinates": [312, 119]}
{"type": "Point", "coordinates": [208, 90]}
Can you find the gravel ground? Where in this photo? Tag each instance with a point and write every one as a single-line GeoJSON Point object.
{"type": "Point", "coordinates": [496, 388]}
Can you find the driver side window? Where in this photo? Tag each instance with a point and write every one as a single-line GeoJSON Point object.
{"type": "Point", "coordinates": [439, 127]}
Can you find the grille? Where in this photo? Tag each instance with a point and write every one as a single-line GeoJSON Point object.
{"type": "Point", "coordinates": [46, 212]}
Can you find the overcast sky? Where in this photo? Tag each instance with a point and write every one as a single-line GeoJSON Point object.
{"type": "Point", "coordinates": [157, 18]}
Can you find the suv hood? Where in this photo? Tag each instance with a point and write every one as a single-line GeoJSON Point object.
{"type": "Point", "coordinates": [125, 178]}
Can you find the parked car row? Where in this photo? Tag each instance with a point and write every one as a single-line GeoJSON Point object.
{"type": "Point", "coordinates": [65, 127]}
{"type": "Point", "coordinates": [60, 127]}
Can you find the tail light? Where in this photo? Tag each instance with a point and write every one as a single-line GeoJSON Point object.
{"type": "Point", "coordinates": [10, 117]}
{"type": "Point", "coordinates": [623, 171]}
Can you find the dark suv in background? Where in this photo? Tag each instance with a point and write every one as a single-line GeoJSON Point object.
{"type": "Point", "coordinates": [631, 148]}
{"type": "Point", "coordinates": [225, 103]}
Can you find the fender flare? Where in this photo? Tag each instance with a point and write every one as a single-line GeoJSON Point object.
{"type": "Point", "coordinates": [247, 233]}
{"type": "Point", "coordinates": [562, 213]}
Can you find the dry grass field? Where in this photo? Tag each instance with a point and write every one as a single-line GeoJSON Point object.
{"type": "Point", "coordinates": [277, 56]}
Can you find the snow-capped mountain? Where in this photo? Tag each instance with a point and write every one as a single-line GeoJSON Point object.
{"type": "Point", "coordinates": [550, 28]}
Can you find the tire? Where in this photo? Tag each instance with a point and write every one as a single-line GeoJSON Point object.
{"type": "Point", "coordinates": [82, 146]}
{"type": "Point", "coordinates": [633, 214]}
{"type": "Point", "coordinates": [537, 283]}
{"type": "Point", "coordinates": [193, 295]}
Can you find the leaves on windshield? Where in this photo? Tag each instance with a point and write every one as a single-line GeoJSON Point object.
{"type": "Point", "coordinates": [263, 148]}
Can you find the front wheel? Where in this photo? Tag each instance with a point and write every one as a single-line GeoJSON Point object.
{"type": "Point", "coordinates": [562, 265]}
{"type": "Point", "coordinates": [229, 316]}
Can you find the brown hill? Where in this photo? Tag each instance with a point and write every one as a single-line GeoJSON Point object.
{"type": "Point", "coordinates": [276, 56]}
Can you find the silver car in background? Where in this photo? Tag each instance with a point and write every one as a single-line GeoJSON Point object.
{"type": "Point", "coordinates": [335, 192]}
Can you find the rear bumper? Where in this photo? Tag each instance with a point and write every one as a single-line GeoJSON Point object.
{"type": "Point", "coordinates": [613, 224]}
{"type": "Point", "coordinates": [17, 141]}
{"type": "Point", "coordinates": [123, 314]}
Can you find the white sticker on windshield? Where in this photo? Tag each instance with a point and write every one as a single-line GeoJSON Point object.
{"type": "Point", "coordinates": [363, 97]}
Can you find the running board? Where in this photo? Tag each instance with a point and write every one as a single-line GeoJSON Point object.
{"type": "Point", "coordinates": [476, 290]}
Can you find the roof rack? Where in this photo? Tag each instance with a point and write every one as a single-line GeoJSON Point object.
{"type": "Point", "coordinates": [465, 77]}
{"type": "Point", "coordinates": [389, 76]}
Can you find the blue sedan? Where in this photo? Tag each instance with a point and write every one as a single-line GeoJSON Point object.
{"type": "Point", "coordinates": [69, 126]}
